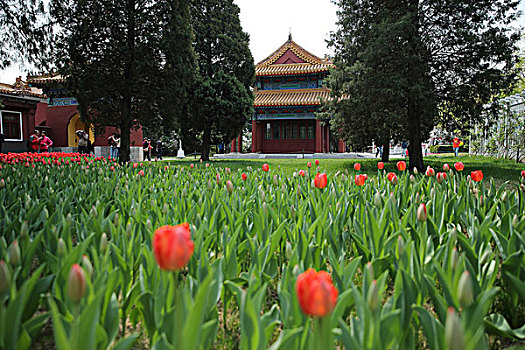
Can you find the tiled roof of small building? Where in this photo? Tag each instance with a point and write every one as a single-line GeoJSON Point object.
{"type": "Point", "coordinates": [312, 63]}
{"type": "Point", "coordinates": [45, 79]}
{"type": "Point", "coordinates": [301, 97]}
{"type": "Point", "coordinates": [20, 88]}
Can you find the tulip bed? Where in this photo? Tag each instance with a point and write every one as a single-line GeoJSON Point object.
{"type": "Point", "coordinates": [91, 257]}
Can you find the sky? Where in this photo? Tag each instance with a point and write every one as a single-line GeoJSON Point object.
{"type": "Point", "coordinates": [269, 21]}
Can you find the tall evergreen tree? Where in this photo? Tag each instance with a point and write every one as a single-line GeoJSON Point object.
{"type": "Point", "coordinates": [127, 62]}
{"type": "Point", "coordinates": [222, 97]}
{"type": "Point", "coordinates": [403, 65]}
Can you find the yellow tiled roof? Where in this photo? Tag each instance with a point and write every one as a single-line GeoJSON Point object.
{"type": "Point", "coordinates": [45, 79]}
{"type": "Point", "coordinates": [313, 63]}
{"type": "Point", "coordinates": [20, 88]}
{"type": "Point", "coordinates": [290, 69]}
{"type": "Point", "coordinates": [300, 97]}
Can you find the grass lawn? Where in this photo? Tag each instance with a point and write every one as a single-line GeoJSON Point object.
{"type": "Point", "coordinates": [500, 170]}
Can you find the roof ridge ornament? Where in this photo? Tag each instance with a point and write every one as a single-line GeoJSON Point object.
{"type": "Point", "coordinates": [290, 34]}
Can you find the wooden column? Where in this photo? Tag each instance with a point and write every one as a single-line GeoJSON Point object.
{"type": "Point", "coordinates": [254, 137]}
{"type": "Point", "coordinates": [233, 146]}
{"type": "Point", "coordinates": [239, 143]}
{"type": "Point", "coordinates": [318, 137]}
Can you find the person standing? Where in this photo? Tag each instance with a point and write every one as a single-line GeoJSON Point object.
{"type": "Point", "coordinates": [159, 149]}
{"type": "Point", "coordinates": [45, 142]}
{"type": "Point", "coordinates": [456, 143]}
{"type": "Point", "coordinates": [34, 142]}
{"type": "Point", "coordinates": [82, 142]}
{"type": "Point", "coordinates": [113, 144]}
{"type": "Point", "coordinates": [117, 145]}
{"type": "Point", "coordinates": [146, 148]}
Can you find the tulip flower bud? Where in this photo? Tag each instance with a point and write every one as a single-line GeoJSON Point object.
{"type": "Point", "coordinates": [128, 229]}
{"type": "Point", "coordinates": [454, 338]}
{"type": "Point", "coordinates": [87, 264]}
{"type": "Point", "coordinates": [296, 271]}
{"type": "Point", "coordinates": [276, 180]}
{"type": "Point", "coordinates": [289, 250]}
{"type": "Point", "coordinates": [149, 226]}
{"type": "Point", "coordinates": [453, 234]}
{"type": "Point", "coordinates": [395, 180]}
{"type": "Point", "coordinates": [378, 200]}
{"type": "Point", "coordinates": [422, 212]}
{"type": "Point", "coordinates": [229, 186]}
{"type": "Point", "coordinates": [485, 257]}
{"type": "Point", "coordinates": [298, 190]}
{"type": "Point", "coordinates": [432, 192]}
{"type": "Point", "coordinates": [446, 167]}
{"type": "Point", "coordinates": [504, 197]}
{"type": "Point", "coordinates": [14, 254]}
{"type": "Point", "coordinates": [103, 243]}
{"type": "Point", "coordinates": [165, 208]}
{"type": "Point", "coordinates": [61, 248]}
{"type": "Point", "coordinates": [454, 258]}
{"type": "Point", "coordinates": [115, 219]}
{"type": "Point", "coordinates": [45, 213]}
{"type": "Point", "coordinates": [515, 221]}
{"type": "Point", "coordinates": [415, 171]}
{"type": "Point", "coordinates": [2, 183]}
{"type": "Point", "coordinates": [292, 211]}
{"type": "Point", "coordinates": [76, 283]}
{"type": "Point", "coordinates": [265, 208]}
{"type": "Point", "coordinates": [465, 289]}
{"type": "Point", "coordinates": [400, 245]}
{"type": "Point", "coordinates": [24, 229]}
{"type": "Point", "coordinates": [373, 295]}
{"type": "Point", "coordinates": [209, 186]}
{"type": "Point", "coordinates": [370, 270]}
{"type": "Point", "coordinates": [263, 195]}
{"type": "Point", "coordinates": [412, 178]}
{"type": "Point", "coordinates": [5, 277]}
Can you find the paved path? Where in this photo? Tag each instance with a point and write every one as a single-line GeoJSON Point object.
{"type": "Point", "coordinates": [300, 156]}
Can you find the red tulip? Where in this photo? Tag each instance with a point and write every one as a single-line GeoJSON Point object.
{"type": "Point", "coordinates": [380, 165]}
{"type": "Point", "coordinates": [309, 164]}
{"type": "Point", "coordinates": [229, 186]}
{"type": "Point", "coordinates": [302, 173]}
{"type": "Point", "coordinates": [141, 172]}
{"type": "Point", "coordinates": [172, 246]}
{"type": "Point", "coordinates": [135, 165]}
{"type": "Point", "coordinates": [459, 166]}
{"type": "Point", "coordinates": [422, 212]}
{"type": "Point", "coordinates": [112, 168]}
{"type": "Point", "coordinates": [401, 165]}
{"type": "Point", "coordinates": [390, 176]}
{"type": "Point", "coordinates": [244, 176]}
{"type": "Point", "coordinates": [476, 175]}
{"type": "Point", "coordinates": [317, 162]}
{"type": "Point", "coordinates": [441, 177]}
{"type": "Point", "coordinates": [357, 166]}
{"type": "Point", "coordinates": [446, 167]}
{"type": "Point", "coordinates": [76, 283]}
{"type": "Point", "coordinates": [360, 180]}
{"type": "Point", "coordinates": [166, 167]}
{"type": "Point", "coordinates": [430, 172]}
{"type": "Point", "coordinates": [316, 293]}
{"type": "Point", "coordinates": [192, 166]}
{"type": "Point", "coordinates": [523, 174]}
{"type": "Point", "coordinates": [265, 167]}
{"type": "Point", "coordinates": [320, 180]}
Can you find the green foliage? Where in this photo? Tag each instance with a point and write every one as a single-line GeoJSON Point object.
{"type": "Point", "coordinates": [133, 71]}
{"type": "Point", "coordinates": [222, 98]}
{"type": "Point", "coordinates": [397, 277]}
{"type": "Point", "coordinates": [404, 66]}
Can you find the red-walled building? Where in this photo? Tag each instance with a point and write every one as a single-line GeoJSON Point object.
{"type": "Point", "coordinates": [59, 115]}
{"type": "Point", "coordinates": [288, 92]}
{"type": "Point", "coordinates": [18, 105]}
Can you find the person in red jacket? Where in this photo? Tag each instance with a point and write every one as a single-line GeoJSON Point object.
{"type": "Point", "coordinates": [456, 143]}
{"type": "Point", "coordinates": [45, 142]}
{"type": "Point", "coordinates": [34, 141]}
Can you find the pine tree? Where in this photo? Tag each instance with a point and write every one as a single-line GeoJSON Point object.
{"type": "Point", "coordinates": [404, 65]}
{"type": "Point", "coordinates": [131, 71]}
{"type": "Point", "coordinates": [222, 99]}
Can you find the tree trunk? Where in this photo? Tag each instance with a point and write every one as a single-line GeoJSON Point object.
{"type": "Point", "coordinates": [206, 140]}
{"type": "Point", "coordinates": [386, 152]}
{"type": "Point", "coordinates": [124, 155]}
{"type": "Point", "coordinates": [415, 149]}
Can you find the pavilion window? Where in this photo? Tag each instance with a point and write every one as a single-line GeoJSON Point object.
{"type": "Point", "coordinates": [311, 132]}
{"type": "Point", "coordinates": [11, 125]}
{"type": "Point", "coordinates": [302, 132]}
{"type": "Point", "coordinates": [276, 132]}
{"type": "Point", "coordinates": [268, 131]}
{"type": "Point", "coordinates": [294, 131]}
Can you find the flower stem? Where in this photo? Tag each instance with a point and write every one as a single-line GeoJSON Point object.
{"type": "Point", "coordinates": [323, 338]}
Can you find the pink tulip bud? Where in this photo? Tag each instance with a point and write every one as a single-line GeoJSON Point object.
{"type": "Point", "coordinates": [454, 338]}
{"type": "Point", "coordinates": [87, 264]}
{"type": "Point", "coordinates": [2, 183]}
{"type": "Point", "coordinates": [61, 248]}
{"type": "Point", "coordinates": [76, 284]}
{"type": "Point", "coordinates": [422, 212]}
{"type": "Point", "coordinates": [465, 289]}
{"type": "Point", "coordinates": [373, 295]}
{"type": "Point", "coordinates": [103, 243]}
{"type": "Point", "coordinates": [229, 186]}
{"type": "Point", "coordinates": [14, 254]}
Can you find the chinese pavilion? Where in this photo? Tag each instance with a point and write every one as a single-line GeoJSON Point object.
{"type": "Point", "coordinates": [288, 92]}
